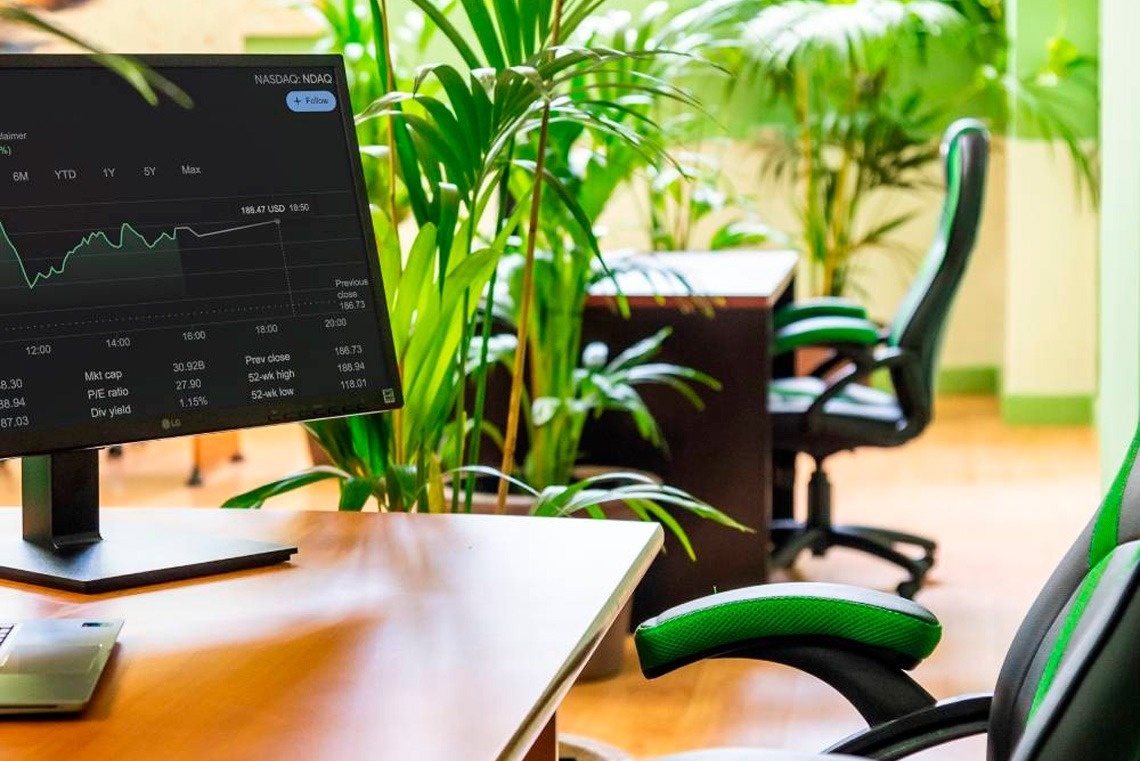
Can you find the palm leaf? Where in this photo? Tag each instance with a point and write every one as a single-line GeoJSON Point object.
{"type": "Point", "coordinates": [641, 351]}
{"type": "Point", "coordinates": [484, 29]}
{"type": "Point", "coordinates": [584, 224]}
{"type": "Point", "coordinates": [441, 22]}
{"type": "Point", "coordinates": [354, 494]}
{"type": "Point", "coordinates": [145, 80]}
{"type": "Point", "coordinates": [405, 152]}
{"type": "Point", "coordinates": [255, 498]}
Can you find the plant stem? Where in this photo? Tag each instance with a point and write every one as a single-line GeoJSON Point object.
{"type": "Point", "coordinates": [506, 208]}
{"type": "Point", "coordinates": [460, 397]}
{"type": "Point", "coordinates": [386, 72]}
{"type": "Point", "coordinates": [839, 224]}
{"type": "Point", "coordinates": [461, 357]}
{"type": "Point", "coordinates": [803, 116]}
{"type": "Point", "coordinates": [518, 371]}
{"type": "Point", "coordinates": [380, 16]}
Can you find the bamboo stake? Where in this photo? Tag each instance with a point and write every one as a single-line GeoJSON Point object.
{"type": "Point", "coordinates": [510, 440]}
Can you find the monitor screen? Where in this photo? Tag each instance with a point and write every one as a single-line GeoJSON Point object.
{"type": "Point", "coordinates": [167, 270]}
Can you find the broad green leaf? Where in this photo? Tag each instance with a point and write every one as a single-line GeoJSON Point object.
{"type": "Point", "coordinates": [484, 29]}
{"type": "Point", "coordinates": [463, 102]}
{"type": "Point", "coordinates": [354, 494]}
{"type": "Point", "coordinates": [391, 258]}
{"type": "Point", "coordinates": [644, 349]}
{"type": "Point", "coordinates": [483, 470]}
{"type": "Point", "coordinates": [584, 225]}
{"type": "Point", "coordinates": [255, 498]}
{"type": "Point", "coordinates": [595, 354]}
{"type": "Point", "coordinates": [450, 31]}
{"type": "Point", "coordinates": [742, 234]}
{"type": "Point", "coordinates": [510, 25]}
{"type": "Point", "coordinates": [448, 214]}
{"type": "Point", "coordinates": [405, 153]}
{"type": "Point", "coordinates": [417, 272]}
{"type": "Point", "coordinates": [543, 410]}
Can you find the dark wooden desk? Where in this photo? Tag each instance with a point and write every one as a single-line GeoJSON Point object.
{"type": "Point", "coordinates": [426, 637]}
{"type": "Point", "coordinates": [722, 454]}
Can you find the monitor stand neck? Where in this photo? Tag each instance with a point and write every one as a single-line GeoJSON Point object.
{"type": "Point", "coordinates": [61, 499]}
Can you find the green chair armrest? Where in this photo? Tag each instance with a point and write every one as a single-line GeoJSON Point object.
{"type": "Point", "coordinates": [826, 331]}
{"type": "Point", "coordinates": [900, 629]}
{"type": "Point", "coordinates": [823, 306]}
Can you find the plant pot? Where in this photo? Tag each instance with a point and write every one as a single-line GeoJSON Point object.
{"type": "Point", "coordinates": [609, 656]}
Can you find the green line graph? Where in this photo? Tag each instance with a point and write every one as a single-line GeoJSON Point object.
{"type": "Point", "coordinates": [131, 243]}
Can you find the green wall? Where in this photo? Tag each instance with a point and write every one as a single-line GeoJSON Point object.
{"type": "Point", "coordinates": [1031, 26]}
{"type": "Point", "coordinates": [1049, 368]}
{"type": "Point", "coordinates": [1119, 397]}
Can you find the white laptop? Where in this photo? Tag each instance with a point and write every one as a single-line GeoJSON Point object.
{"type": "Point", "coordinates": [52, 665]}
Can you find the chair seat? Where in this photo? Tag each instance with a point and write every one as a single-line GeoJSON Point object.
{"type": "Point", "coordinates": [798, 393]}
{"type": "Point", "coordinates": [753, 754]}
{"type": "Point", "coordinates": [859, 416]}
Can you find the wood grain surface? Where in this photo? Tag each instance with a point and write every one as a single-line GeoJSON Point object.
{"type": "Point", "coordinates": [387, 637]}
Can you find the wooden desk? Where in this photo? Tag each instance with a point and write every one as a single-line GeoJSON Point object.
{"type": "Point", "coordinates": [426, 637]}
{"type": "Point", "coordinates": [722, 454]}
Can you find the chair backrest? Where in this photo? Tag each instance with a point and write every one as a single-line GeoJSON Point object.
{"type": "Point", "coordinates": [919, 323]}
{"type": "Point", "coordinates": [1087, 703]}
{"type": "Point", "coordinates": [1060, 623]}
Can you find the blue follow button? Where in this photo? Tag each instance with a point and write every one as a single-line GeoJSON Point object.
{"type": "Point", "coordinates": [305, 101]}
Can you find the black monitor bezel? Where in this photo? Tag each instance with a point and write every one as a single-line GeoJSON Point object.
{"type": "Point", "coordinates": [95, 435]}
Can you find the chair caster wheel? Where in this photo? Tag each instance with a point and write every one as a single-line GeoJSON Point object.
{"type": "Point", "coordinates": [908, 589]}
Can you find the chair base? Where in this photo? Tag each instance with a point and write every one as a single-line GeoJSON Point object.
{"type": "Point", "coordinates": [792, 537]}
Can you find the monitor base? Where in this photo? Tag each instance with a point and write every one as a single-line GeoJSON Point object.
{"type": "Point", "coordinates": [134, 557]}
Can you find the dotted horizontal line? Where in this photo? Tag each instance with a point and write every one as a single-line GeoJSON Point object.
{"type": "Point", "coordinates": [229, 310]}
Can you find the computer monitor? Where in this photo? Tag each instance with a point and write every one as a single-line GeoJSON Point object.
{"type": "Point", "coordinates": [167, 271]}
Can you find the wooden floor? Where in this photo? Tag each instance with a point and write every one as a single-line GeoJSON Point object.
{"type": "Point", "coordinates": [1003, 503]}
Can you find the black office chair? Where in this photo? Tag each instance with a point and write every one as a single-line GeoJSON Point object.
{"type": "Point", "coordinates": [830, 411]}
{"type": "Point", "coordinates": [1069, 689]}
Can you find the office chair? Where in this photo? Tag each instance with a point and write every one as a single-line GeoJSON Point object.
{"type": "Point", "coordinates": [830, 411]}
{"type": "Point", "coordinates": [1068, 688]}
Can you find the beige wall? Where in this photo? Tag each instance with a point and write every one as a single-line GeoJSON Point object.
{"type": "Point", "coordinates": [180, 26]}
{"type": "Point", "coordinates": [1028, 304]}
{"type": "Point", "coordinates": [1051, 309]}
{"type": "Point", "coordinates": [1119, 402]}
{"type": "Point", "coordinates": [975, 335]}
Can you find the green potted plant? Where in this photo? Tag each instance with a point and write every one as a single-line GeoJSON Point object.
{"type": "Point", "coordinates": [680, 199]}
{"type": "Point", "coordinates": [861, 121]}
{"type": "Point", "coordinates": [566, 383]}
{"type": "Point", "coordinates": [445, 148]}
{"type": "Point", "coordinates": [452, 147]}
